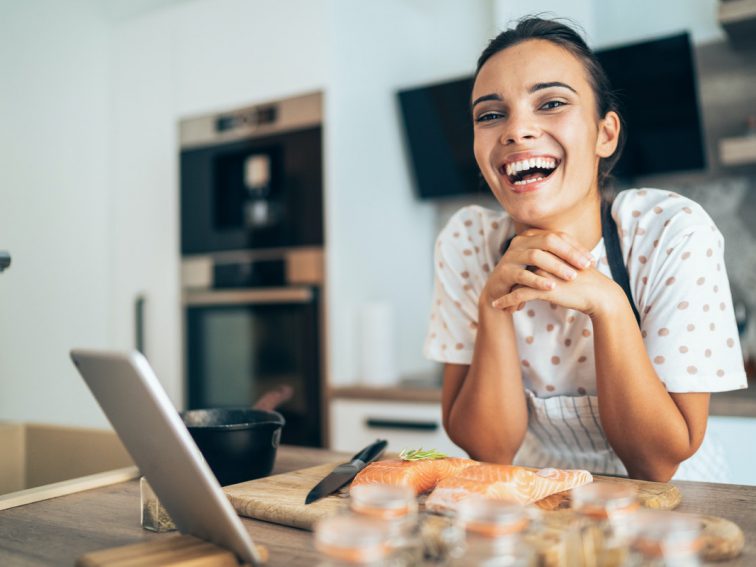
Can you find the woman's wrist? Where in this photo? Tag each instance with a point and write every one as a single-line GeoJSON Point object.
{"type": "Point", "coordinates": [486, 310]}
{"type": "Point", "coordinates": [608, 302]}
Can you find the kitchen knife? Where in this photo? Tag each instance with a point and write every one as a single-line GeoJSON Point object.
{"type": "Point", "coordinates": [345, 472]}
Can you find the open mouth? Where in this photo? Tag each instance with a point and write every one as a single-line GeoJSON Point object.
{"type": "Point", "coordinates": [526, 171]}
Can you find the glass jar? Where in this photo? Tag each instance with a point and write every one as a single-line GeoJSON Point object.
{"type": "Point", "coordinates": [349, 540]}
{"type": "Point", "coordinates": [604, 525]}
{"type": "Point", "coordinates": [666, 539]}
{"type": "Point", "coordinates": [396, 508]}
{"type": "Point", "coordinates": [153, 516]}
{"type": "Point", "coordinates": [494, 534]}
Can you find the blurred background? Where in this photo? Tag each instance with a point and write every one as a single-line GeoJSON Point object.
{"type": "Point", "coordinates": [240, 188]}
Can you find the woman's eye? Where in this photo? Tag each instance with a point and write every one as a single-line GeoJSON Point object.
{"type": "Point", "coordinates": [488, 116]}
{"type": "Point", "coordinates": [552, 104]}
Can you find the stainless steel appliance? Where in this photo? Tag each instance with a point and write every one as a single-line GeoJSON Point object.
{"type": "Point", "coordinates": [252, 266]}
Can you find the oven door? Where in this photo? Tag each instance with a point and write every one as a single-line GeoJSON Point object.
{"type": "Point", "coordinates": [243, 343]}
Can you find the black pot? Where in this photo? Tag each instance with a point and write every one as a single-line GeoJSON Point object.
{"type": "Point", "coordinates": [238, 443]}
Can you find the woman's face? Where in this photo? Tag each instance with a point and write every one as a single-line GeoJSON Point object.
{"type": "Point", "coordinates": [537, 137]}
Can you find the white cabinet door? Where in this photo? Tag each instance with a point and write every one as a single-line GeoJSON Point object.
{"type": "Point", "coordinates": [736, 435]}
{"type": "Point", "coordinates": [356, 423]}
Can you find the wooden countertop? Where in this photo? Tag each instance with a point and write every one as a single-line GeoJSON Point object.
{"type": "Point", "coordinates": [738, 403]}
{"type": "Point", "coordinates": [57, 531]}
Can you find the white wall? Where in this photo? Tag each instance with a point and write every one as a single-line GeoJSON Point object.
{"type": "Point", "coordinates": [581, 12]}
{"type": "Point", "coordinates": [54, 205]}
{"type": "Point", "coordinates": [636, 20]}
{"type": "Point", "coordinates": [380, 238]}
{"type": "Point", "coordinates": [614, 23]}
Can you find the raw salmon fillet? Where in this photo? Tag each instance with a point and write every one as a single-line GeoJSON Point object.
{"type": "Point", "coordinates": [421, 475]}
{"type": "Point", "coordinates": [504, 482]}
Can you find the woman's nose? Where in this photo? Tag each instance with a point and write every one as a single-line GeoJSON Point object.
{"type": "Point", "coordinates": [519, 127]}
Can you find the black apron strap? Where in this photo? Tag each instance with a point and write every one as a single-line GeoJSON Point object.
{"type": "Point", "coordinates": [613, 253]}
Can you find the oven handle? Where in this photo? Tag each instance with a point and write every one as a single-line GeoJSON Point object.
{"type": "Point", "coordinates": [249, 296]}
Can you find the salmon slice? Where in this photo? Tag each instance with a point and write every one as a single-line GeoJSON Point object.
{"type": "Point", "coordinates": [504, 482]}
{"type": "Point", "coordinates": [421, 475]}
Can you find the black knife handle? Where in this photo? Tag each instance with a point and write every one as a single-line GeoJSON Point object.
{"type": "Point", "coordinates": [371, 452]}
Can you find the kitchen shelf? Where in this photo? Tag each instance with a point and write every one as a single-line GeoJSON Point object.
{"type": "Point", "coordinates": [738, 151]}
{"type": "Point", "coordinates": [738, 18]}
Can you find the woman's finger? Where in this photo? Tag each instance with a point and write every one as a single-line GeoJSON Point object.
{"type": "Point", "coordinates": [565, 247]}
{"type": "Point", "coordinates": [535, 279]}
{"type": "Point", "coordinates": [560, 244]}
{"type": "Point", "coordinates": [544, 260]}
{"type": "Point", "coordinates": [519, 296]}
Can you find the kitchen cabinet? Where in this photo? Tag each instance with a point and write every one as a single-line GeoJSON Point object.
{"type": "Point", "coordinates": [356, 423]}
{"type": "Point", "coordinates": [738, 151]}
{"type": "Point", "coordinates": [736, 435]}
{"type": "Point", "coordinates": [738, 18]}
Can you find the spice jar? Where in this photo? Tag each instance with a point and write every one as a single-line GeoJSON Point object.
{"type": "Point", "coordinates": [604, 526]}
{"type": "Point", "coordinates": [396, 508]}
{"type": "Point", "coordinates": [666, 539]}
{"type": "Point", "coordinates": [154, 517]}
{"type": "Point", "coordinates": [348, 540]}
{"type": "Point", "coordinates": [494, 534]}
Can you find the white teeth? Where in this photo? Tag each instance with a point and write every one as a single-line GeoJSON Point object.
{"type": "Point", "coordinates": [525, 164]}
{"type": "Point", "coordinates": [526, 181]}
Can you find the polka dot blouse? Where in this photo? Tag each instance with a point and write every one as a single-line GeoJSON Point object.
{"type": "Point", "coordinates": [674, 258]}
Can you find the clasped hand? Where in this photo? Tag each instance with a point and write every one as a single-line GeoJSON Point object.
{"type": "Point", "coordinates": [546, 265]}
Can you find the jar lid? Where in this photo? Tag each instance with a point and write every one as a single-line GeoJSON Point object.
{"type": "Point", "coordinates": [383, 501]}
{"type": "Point", "coordinates": [491, 518]}
{"type": "Point", "coordinates": [667, 534]}
{"type": "Point", "coordinates": [354, 539]}
{"type": "Point", "coordinates": [600, 500]}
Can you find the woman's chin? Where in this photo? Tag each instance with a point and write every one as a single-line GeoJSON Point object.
{"type": "Point", "coordinates": [530, 212]}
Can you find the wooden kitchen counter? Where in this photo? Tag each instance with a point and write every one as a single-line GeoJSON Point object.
{"type": "Point", "coordinates": [57, 531]}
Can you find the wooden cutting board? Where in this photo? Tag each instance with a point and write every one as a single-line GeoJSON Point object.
{"type": "Point", "coordinates": [280, 499]}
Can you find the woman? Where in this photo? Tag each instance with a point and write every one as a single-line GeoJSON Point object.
{"type": "Point", "coordinates": [576, 332]}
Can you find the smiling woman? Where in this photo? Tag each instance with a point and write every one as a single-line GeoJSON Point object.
{"type": "Point", "coordinates": [577, 330]}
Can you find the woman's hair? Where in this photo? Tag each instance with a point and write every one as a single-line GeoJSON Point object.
{"type": "Point", "coordinates": [564, 36]}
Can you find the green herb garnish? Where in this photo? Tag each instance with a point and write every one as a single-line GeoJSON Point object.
{"type": "Point", "coordinates": [420, 454]}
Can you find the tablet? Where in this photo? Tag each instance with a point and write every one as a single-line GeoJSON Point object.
{"type": "Point", "coordinates": [153, 433]}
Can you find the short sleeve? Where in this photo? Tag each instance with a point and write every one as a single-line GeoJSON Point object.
{"type": "Point", "coordinates": [464, 257]}
{"type": "Point", "coordinates": [687, 315]}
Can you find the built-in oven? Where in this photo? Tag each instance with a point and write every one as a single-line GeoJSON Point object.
{"type": "Point", "coordinates": [252, 261]}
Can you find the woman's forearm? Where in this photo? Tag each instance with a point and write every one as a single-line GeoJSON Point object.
{"type": "Point", "coordinates": [642, 422]}
{"type": "Point", "coordinates": [488, 417]}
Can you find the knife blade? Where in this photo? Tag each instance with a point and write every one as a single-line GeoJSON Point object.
{"type": "Point", "coordinates": [345, 472]}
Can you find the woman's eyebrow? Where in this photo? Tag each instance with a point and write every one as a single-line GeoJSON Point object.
{"type": "Point", "coordinates": [541, 86]}
{"type": "Point", "coordinates": [531, 90]}
{"type": "Point", "coordinates": [492, 96]}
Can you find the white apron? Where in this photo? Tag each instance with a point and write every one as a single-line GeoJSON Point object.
{"type": "Point", "coordinates": [565, 432]}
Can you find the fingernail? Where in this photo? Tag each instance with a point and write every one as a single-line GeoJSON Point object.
{"type": "Point", "coordinates": [570, 274]}
{"type": "Point", "coordinates": [587, 261]}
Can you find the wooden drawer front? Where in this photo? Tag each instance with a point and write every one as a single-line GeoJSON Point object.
{"type": "Point", "coordinates": [356, 423]}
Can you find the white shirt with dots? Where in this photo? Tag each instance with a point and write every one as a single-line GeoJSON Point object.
{"type": "Point", "coordinates": [674, 258]}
